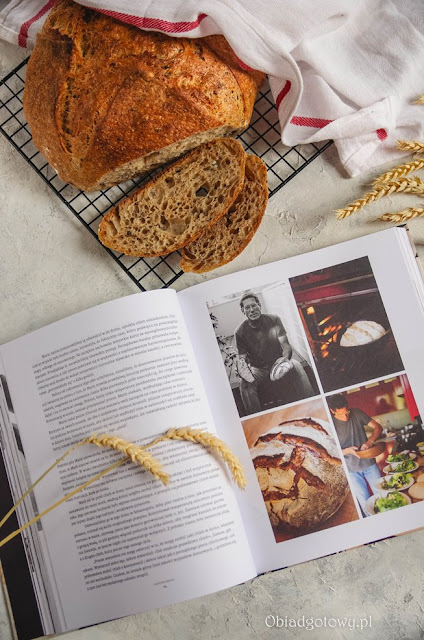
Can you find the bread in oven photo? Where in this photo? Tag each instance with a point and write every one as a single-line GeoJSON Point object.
{"type": "Point", "coordinates": [362, 332]}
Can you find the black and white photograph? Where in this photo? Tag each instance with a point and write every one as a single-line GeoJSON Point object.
{"type": "Point", "coordinates": [346, 324]}
{"type": "Point", "coordinates": [263, 349]}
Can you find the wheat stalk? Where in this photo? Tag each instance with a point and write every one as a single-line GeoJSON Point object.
{"type": "Point", "coordinates": [212, 442]}
{"type": "Point", "coordinates": [137, 454]}
{"type": "Point", "coordinates": [404, 215]}
{"type": "Point", "coordinates": [410, 145]}
{"type": "Point", "coordinates": [398, 172]}
{"type": "Point", "coordinates": [407, 185]}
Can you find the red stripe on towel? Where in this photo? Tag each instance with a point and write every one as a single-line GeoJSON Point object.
{"type": "Point", "coordinates": [317, 123]}
{"type": "Point", "coordinates": [153, 23]}
{"type": "Point", "coordinates": [284, 91]}
{"type": "Point", "coordinates": [23, 32]}
{"type": "Point", "coordinates": [243, 65]}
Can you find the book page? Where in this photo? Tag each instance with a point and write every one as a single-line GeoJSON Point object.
{"type": "Point", "coordinates": [307, 362]}
{"type": "Point", "coordinates": [127, 543]}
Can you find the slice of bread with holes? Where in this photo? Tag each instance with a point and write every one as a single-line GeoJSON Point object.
{"type": "Point", "coordinates": [226, 239]}
{"type": "Point", "coordinates": [179, 204]}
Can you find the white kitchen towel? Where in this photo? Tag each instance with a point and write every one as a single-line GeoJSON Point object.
{"type": "Point", "coordinates": [341, 70]}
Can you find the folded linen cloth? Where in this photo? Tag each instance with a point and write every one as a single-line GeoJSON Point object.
{"type": "Point", "coordinates": [341, 70]}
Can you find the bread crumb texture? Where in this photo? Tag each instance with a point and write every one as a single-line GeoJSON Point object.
{"type": "Point", "coordinates": [226, 239]}
{"type": "Point", "coordinates": [179, 204]}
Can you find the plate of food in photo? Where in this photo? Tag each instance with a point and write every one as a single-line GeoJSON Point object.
{"type": "Point", "coordinates": [394, 482]}
{"type": "Point", "coordinates": [397, 458]}
{"type": "Point", "coordinates": [382, 503]}
{"type": "Point", "coordinates": [406, 466]}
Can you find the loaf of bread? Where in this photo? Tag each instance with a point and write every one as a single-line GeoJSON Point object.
{"type": "Point", "coordinates": [226, 239]}
{"type": "Point", "coordinates": [280, 368]}
{"type": "Point", "coordinates": [178, 205]}
{"type": "Point", "coordinates": [417, 491]}
{"type": "Point", "coordinates": [106, 101]}
{"type": "Point", "coordinates": [300, 474]}
{"type": "Point", "coordinates": [362, 332]}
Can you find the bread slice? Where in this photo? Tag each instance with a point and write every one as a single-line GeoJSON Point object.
{"type": "Point", "coordinates": [222, 242]}
{"type": "Point", "coordinates": [179, 204]}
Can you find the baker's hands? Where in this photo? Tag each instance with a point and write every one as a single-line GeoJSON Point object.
{"type": "Point", "coordinates": [351, 451]}
{"type": "Point", "coordinates": [367, 445]}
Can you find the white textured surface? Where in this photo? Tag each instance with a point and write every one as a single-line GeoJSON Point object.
{"type": "Point", "coordinates": [51, 267]}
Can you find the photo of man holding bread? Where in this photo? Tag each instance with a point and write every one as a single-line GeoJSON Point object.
{"type": "Point", "coordinates": [265, 355]}
{"type": "Point", "coordinates": [263, 348]}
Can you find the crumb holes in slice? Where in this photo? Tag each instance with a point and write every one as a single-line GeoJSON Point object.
{"type": "Point", "coordinates": [202, 191]}
{"type": "Point", "coordinates": [110, 229]}
{"type": "Point", "coordinates": [177, 226]}
{"type": "Point", "coordinates": [164, 223]}
{"type": "Point", "coordinates": [189, 254]}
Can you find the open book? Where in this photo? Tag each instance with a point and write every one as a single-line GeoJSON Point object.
{"type": "Point", "coordinates": [310, 369]}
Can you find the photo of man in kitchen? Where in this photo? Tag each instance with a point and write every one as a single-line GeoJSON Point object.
{"type": "Point", "coordinates": [371, 423]}
{"type": "Point", "coordinates": [261, 342]}
{"type": "Point", "coordinates": [350, 423]}
{"type": "Point", "coordinates": [346, 324]}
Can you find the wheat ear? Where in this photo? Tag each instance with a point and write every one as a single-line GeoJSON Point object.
{"type": "Point", "coordinates": [406, 185]}
{"type": "Point", "coordinates": [137, 454]}
{"type": "Point", "coordinates": [410, 145]}
{"type": "Point", "coordinates": [208, 440]}
{"type": "Point", "coordinates": [404, 215]}
{"type": "Point", "coordinates": [398, 172]}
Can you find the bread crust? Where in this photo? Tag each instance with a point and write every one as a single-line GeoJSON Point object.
{"type": "Point", "coordinates": [300, 474]}
{"type": "Point", "coordinates": [100, 95]}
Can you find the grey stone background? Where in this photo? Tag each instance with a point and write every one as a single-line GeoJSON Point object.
{"type": "Point", "coordinates": [51, 267]}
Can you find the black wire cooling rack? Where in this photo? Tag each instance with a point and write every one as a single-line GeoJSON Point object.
{"type": "Point", "coordinates": [261, 138]}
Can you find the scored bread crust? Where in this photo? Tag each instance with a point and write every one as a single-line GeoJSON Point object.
{"type": "Point", "coordinates": [178, 205]}
{"type": "Point", "coordinates": [106, 101]}
{"type": "Point", "coordinates": [300, 474]}
{"type": "Point", "coordinates": [226, 239]}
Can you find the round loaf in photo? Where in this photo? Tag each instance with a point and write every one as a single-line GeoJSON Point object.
{"type": "Point", "coordinates": [362, 332]}
{"type": "Point", "coordinates": [300, 474]}
{"type": "Point", "coordinates": [417, 491]}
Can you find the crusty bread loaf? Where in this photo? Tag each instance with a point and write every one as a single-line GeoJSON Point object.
{"type": "Point", "coordinates": [230, 235]}
{"type": "Point", "coordinates": [300, 474]}
{"type": "Point", "coordinates": [106, 101]}
{"type": "Point", "coordinates": [362, 332]}
{"type": "Point", "coordinates": [177, 206]}
{"type": "Point", "coordinates": [417, 491]}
